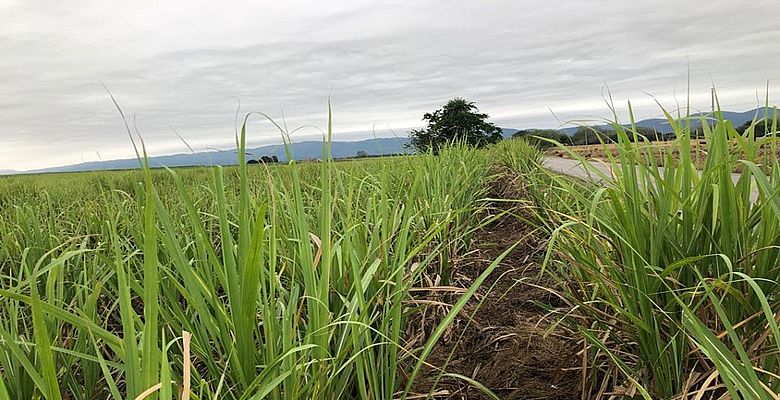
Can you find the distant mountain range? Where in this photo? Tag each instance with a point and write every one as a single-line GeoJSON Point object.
{"type": "Point", "coordinates": [300, 151]}
{"type": "Point", "coordinates": [661, 125]}
{"type": "Point", "coordinates": [340, 149]}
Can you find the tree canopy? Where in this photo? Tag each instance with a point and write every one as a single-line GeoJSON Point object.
{"type": "Point", "coordinates": [586, 135]}
{"type": "Point", "coordinates": [264, 160]}
{"type": "Point", "coordinates": [762, 127]}
{"type": "Point", "coordinates": [537, 136]}
{"type": "Point", "coordinates": [459, 121]}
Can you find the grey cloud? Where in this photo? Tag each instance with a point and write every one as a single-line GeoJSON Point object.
{"type": "Point", "coordinates": [383, 63]}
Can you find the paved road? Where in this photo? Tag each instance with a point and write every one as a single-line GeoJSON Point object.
{"type": "Point", "coordinates": [574, 168]}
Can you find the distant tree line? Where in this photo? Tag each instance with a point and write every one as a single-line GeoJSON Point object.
{"type": "Point", "coordinates": [542, 137]}
{"type": "Point", "coordinates": [760, 129]}
{"type": "Point", "coordinates": [586, 135]}
{"type": "Point", "coordinates": [459, 121]}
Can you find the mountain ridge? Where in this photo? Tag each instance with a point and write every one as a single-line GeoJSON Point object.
{"type": "Point", "coordinates": [340, 149]}
{"type": "Point", "coordinates": [300, 150]}
{"type": "Point", "coordinates": [662, 125]}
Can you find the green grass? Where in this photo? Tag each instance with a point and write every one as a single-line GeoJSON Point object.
{"type": "Point", "coordinates": [292, 280]}
{"type": "Point", "coordinates": [671, 275]}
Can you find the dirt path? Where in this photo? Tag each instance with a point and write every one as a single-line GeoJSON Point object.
{"type": "Point", "coordinates": [500, 339]}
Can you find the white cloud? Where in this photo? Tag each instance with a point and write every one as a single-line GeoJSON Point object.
{"type": "Point", "coordinates": [182, 65]}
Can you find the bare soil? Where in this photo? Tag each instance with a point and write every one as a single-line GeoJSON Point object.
{"type": "Point", "coordinates": [658, 151]}
{"type": "Point", "coordinates": [502, 339]}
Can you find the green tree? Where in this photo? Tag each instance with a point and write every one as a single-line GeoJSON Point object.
{"type": "Point", "coordinates": [458, 121]}
{"type": "Point", "coordinates": [586, 135]}
{"type": "Point", "coordinates": [761, 127]}
{"type": "Point", "coordinates": [537, 136]}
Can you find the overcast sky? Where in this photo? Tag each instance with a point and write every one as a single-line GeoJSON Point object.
{"type": "Point", "coordinates": [183, 64]}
